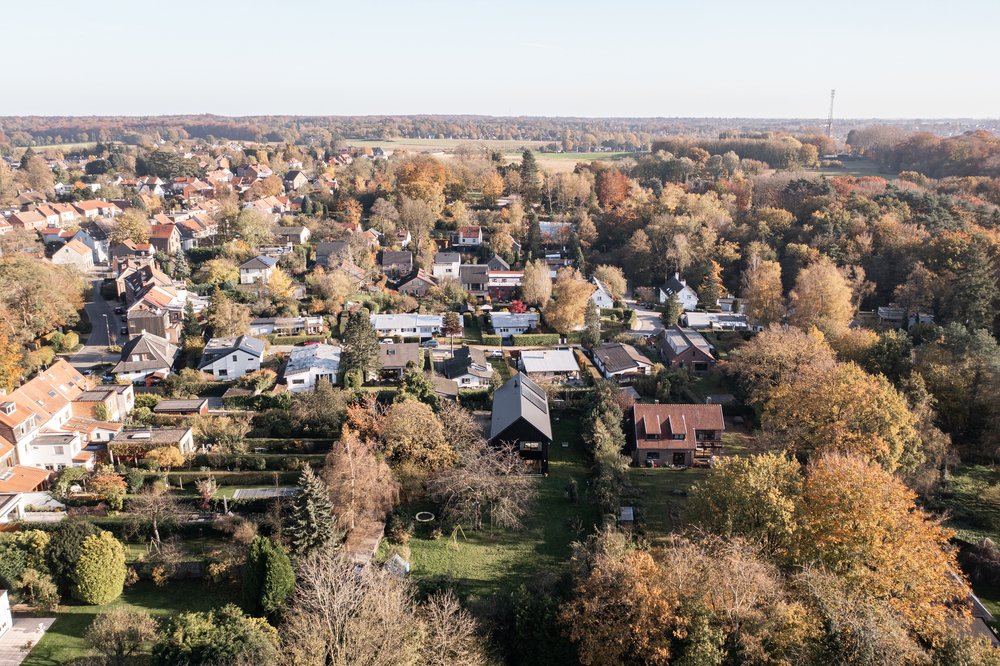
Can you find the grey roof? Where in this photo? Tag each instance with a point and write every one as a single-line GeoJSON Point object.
{"type": "Point", "coordinates": [219, 347]}
{"type": "Point", "coordinates": [447, 258]}
{"type": "Point", "coordinates": [677, 340]}
{"type": "Point", "coordinates": [327, 249]}
{"type": "Point", "coordinates": [520, 398]}
{"type": "Point", "coordinates": [166, 406]}
{"type": "Point", "coordinates": [152, 435]}
{"type": "Point", "coordinates": [260, 262]}
{"type": "Point", "coordinates": [549, 360]}
{"type": "Point", "coordinates": [468, 361]}
{"type": "Point", "coordinates": [673, 285]}
{"type": "Point", "coordinates": [302, 359]}
{"type": "Point", "coordinates": [395, 357]}
{"type": "Point", "coordinates": [513, 319]}
{"type": "Point", "coordinates": [496, 263]}
{"type": "Point", "coordinates": [616, 357]}
{"type": "Point", "coordinates": [289, 231]}
{"type": "Point", "coordinates": [477, 272]}
{"type": "Point", "coordinates": [392, 257]}
{"type": "Point", "coordinates": [155, 353]}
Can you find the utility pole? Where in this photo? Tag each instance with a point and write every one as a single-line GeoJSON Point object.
{"type": "Point", "coordinates": [829, 120]}
{"type": "Point", "coordinates": [107, 326]}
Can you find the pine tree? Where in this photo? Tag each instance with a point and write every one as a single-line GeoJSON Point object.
{"type": "Point", "coordinates": [592, 320]}
{"type": "Point", "coordinates": [311, 524]}
{"type": "Point", "coordinates": [534, 239]}
{"type": "Point", "coordinates": [672, 311]}
{"type": "Point", "coordinates": [361, 348]}
{"type": "Point", "coordinates": [530, 178]}
{"type": "Point", "coordinates": [268, 578]}
{"type": "Point", "coordinates": [976, 287]}
{"type": "Point", "coordinates": [711, 287]}
{"type": "Point", "coordinates": [191, 327]}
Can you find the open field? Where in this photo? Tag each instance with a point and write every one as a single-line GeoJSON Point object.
{"type": "Point", "coordinates": [64, 641]}
{"type": "Point", "coordinates": [854, 168]}
{"type": "Point", "coordinates": [659, 496]}
{"type": "Point", "coordinates": [64, 147]}
{"type": "Point", "coordinates": [481, 563]}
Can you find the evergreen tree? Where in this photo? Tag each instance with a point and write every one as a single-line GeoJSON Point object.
{"type": "Point", "coordinates": [534, 239]}
{"type": "Point", "coordinates": [672, 311]}
{"type": "Point", "coordinates": [268, 577]}
{"type": "Point", "coordinates": [191, 327]}
{"type": "Point", "coordinates": [361, 346]}
{"type": "Point", "coordinates": [711, 287]}
{"type": "Point", "coordinates": [975, 288]}
{"type": "Point", "coordinates": [531, 181]}
{"type": "Point", "coordinates": [592, 320]}
{"type": "Point", "coordinates": [182, 269]}
{"type": "Point", "coordinates": [311, 524]}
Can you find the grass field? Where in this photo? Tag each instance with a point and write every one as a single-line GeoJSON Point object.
{"type": "Point", "coordinates": [854, 168]}
{"type": "Point", "coordinates": [659, 496]}
{"type": "Point", "coordinates": [481, 563]}
{"type": "Point", "coordinates": [64, 147]}
{"type": "Point", "coordinates": [65, 640]}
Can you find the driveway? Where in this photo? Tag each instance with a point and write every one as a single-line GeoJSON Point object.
{"type": "Point", "coordinates": [94, 350]}
{"type": "Point", "coordinates": [649, 320]}
{"type": "Point", "coordinates": [26, 631]}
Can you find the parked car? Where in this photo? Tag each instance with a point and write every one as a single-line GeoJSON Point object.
{"type": "Point", "coordinates": [496, 353]}
{"type": "Point", "coordinates": [387, 341]}
{"type": "Point", "coordinates": [311, 343]}
{"type": "Point", "coordinates": [119, 310]}
{"type": "Point", "coordinates": [430, 344]}
{"type": "Point", "coordinates": [123, 330]}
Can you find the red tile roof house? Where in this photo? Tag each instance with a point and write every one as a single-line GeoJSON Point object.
{"type": "Point", "coordinates": [469, 237]}
{"type": "Point", "coordinates": [675, 434]}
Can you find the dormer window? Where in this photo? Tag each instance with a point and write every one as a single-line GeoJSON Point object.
{"type": "Point", "coordinates": [8, 408]}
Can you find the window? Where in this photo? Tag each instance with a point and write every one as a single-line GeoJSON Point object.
{"type": "Point", "coordinates": [234, 357]}
{"type": "Point", "coordinates": [678, 436]}
{"type": "Point", "coordinates": [298, 381]}
{"type": "Point", "coordinates": [652, 455]}
{"type": "Point", "coordinates": [221, 373]}
{"type": "Point", "coordinates": [652, 435]}
{"type": "Point", "coordinates": [531, 446]}
{"type": "Point", "coordinates": [59, 450]}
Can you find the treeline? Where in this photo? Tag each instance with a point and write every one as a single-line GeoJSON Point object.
{"type": "Point", "coordinates": [780, 151]}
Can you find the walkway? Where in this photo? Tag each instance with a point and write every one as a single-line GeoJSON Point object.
{"type": "Point", "coordinates": [17, 643]}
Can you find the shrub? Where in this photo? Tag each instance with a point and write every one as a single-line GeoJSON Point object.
{"type": "Point", "coordinates": [536, 339]}
{"type": "Point", "coordinates": [99, 575]}
{"type": "Point", "coordinates": [398, 528]}
{"type": "Point", "coordinates": [268, 578]}
{"type": "Point", "coordinates": [492, 340]}
{"type": "Point", "coordinates": [353, 378]}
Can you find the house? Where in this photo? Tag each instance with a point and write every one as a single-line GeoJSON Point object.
{"type": "Point", "coordinates": [421, 326]}
{"type": "Point", "coordinates": [308, 366]}
{"type": "Point", "coordinates": [165, 238]}
{"type": "Point", "coordinates": [601, 296]}
{"type": "Point", "coordinates": [115, 400]}
{"type": "Point", "coordinates": [417, 283]}
{"type": "Point", "coordinates": [395, 263]}
{"type": "Point", "coordinates": [446, 265]}
{"type": "Point", "coordinates": [229, 358]}
{"type": "Point", "coordinates": [521, 420]}
{"type": "Point", "coordinates": [513, 323]}
{"type": "Point", "coordinates": [620, 361]}
{"type": "Point", "coordinates": [132, 444]}
{"type": "Point", "coordinates": [549, 364]}
{"type": "Point", "coordinates": [96, 208]}
{"type": "Point", "coordinates": [130, 249]}
{"type": "Point", "coordinates": [295, 179]}
{"type": "Point", "coordinates": [396, 358]}
{"type": "Point", "coordinates": [475, 279]}
{"type": "Point", "coordinates": [502, 285]}
{"type": "Point", "coordinates": [23, 479]}
{"type": "Point", "coordinates": [675, 434]}
{"type": "Point", "coordinates": [287, 325]}
{"type": "Point", "coordinates": [74, 253]}
{"type": "Point", "coordinates": [257, 270]}
{"type": "Point", "coordinates": [294, 235]}
{"type": "Point", "coordinates": [677, 287]}
{"type": "Point", "coordinates": [55, 451]}
{"type": "Point", "coordinates": [686, 349]}
{"type": "Point", "coordinates": [331, 253]}
{"type": "Point", "coordinates": [715, 321]}
{"type": "Point", "coordinates": [496, 263]}
{"type": "Point", "coordinates": [195, 406]}
{"type": "Point", "coordinates": [11, 510]}
{"type": "Point", "coordinates": [403, 238]}
{"type": "Point", "coordinates": [97, 241]}
{"type": "Point", "coordinates": [469, 368]}
{"type": "Point", "coordinates": [29, 220]}
{"type": "Point", "coordinates": [470, 236]}
{"type": "Point", "coordinates": [144, 355]}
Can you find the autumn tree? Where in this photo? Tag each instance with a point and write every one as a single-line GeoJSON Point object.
{"type": "Point", "coordinates": [536, 285]}
{"type": "Point", "coordinates": [360, 482]}
{"type": "Point", "coordinates": [412, 433]}
{"type": "Point", "coordinates": [821, 298]}
{"type": "Point", "coordinates": [121, 632]}
{"type": "Point", "coordinates": [254, 227]}
{"type": "Point", "coordinates": [762, 292]}
{"type": "Point", "coordinates": [613, 279]}
{"type": "Point", "coordinates": [132, 225]}
{"type": "Point", "coordinates": [39, 296]}
{"type": "Point", "coordinates": [570, 295]}
{"type": "Point", "coordinates": [226, 317]}
{"type": "Point", "coordinates": [418, 217]}
{"type": "Point", "coordinates": [775, 357]}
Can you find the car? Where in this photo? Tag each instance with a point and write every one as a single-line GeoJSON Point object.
{"type": "Point", "coordinates": [108, 377]}
{"type": "Point", "coordinates": [496, 353]}
{"type": "Point", "coordinates": [387, 341]}
{"type": "Point", "coordinates": [311, 343]}
{"type": "Point", "coordinates": [123, 330]}
{"type": "Point", "coordinates": [430, 344]}
{"type": "Point", "coordinates": [88, 372]}
{"type": "Point", "coordinates": [119, 310]}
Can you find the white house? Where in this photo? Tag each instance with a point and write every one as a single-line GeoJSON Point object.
{"type": "Point", "coordinates": [446, 265]}
{"type": "Point", "coordinates": [74, 253]}
{"type": "Point", "coordinates": [6, 621]}
{"type": "Point", "coordinates": [307, 325]}
{"type": "Point", "coordinates": [469, 368]}
{"type": "Point", "coordinates": [511, 323]}
{"type": "Point", "coordinates": [56, 451]}
{"type": "Point", "coordinates": [720, 321]}
{"type": "Point", "coordinates": [470, 236]}
{"type": "Point", "coordinates": [549, 364]}
{"type": "Point", "coordinates": [258, 269]}
{"type": "Point", "coordinates": [11, 510]}
{"type": "Point", "coordinates": [307, 366]}
{"type": "Point", "coordinates": [408, 325]}
{"type": "Point", "coordinates": [675, 286]}
{"type": "Point", "coordinates": [601, 296]}
{"type": "Point", "coordinates": [228, 358]}
{"type": "Point", "coordinates": [621, 361]}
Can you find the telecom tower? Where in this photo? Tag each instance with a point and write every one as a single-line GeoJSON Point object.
{"type": "Point", "coordinates": [829, 120]}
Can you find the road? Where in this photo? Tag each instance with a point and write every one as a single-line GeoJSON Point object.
{"type": "Point", "coordinates": [95, 348]}
{"type": "Point", "coordinates": [649, 320]}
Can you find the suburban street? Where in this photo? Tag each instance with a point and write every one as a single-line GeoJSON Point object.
{"type": "Point", "coordinates": [95, 347]}
{"type": "Point", "coordinates": [649, 320]}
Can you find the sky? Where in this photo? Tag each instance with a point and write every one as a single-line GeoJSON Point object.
{"type": "Point", "coordinates": [698, 58]}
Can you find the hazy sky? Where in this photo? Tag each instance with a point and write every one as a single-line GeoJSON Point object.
{"type": "Point", "coordinates": [763, 58]}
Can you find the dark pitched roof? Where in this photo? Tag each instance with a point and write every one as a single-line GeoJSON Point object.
{"type": "Point", "coordinates": [468, 361]}
{"type": "Point", "coordinates": [496, 263]}
{"type": "Point", "coordinates": [447, 258]}
{"type": "Point", "coordinates": [153, 351]}
{"type": "Point", "coordinates": [393, 257]}
{"type": "Point", "coordinates": [616, 357]}
{"type": "Point", "coordinates": [260, 262]}
{"type": "Point", "coordinates": [520, 398]}
{"type": "Point", "coordinates": [396, 357]}
{"type": "Point", "coordinates": [326, 250]}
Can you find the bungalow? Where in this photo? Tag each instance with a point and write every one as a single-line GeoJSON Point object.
{"type": "Point", "coordinates": [446, 265]}
{"type": "Point", "coordinates": [228, 358]}
{"type": "Point", "coordinates": [513, 323]}
{"type": "Point", "coordinates": [521, 420]}
{"type": "Point", "coordinates": [470, 236]}
{"type": "Point", "coordinates": [396, 358]}
{"type": "Point", "coordinates": [74, 253]}
{"type": "Point", "coordinates": [686, 349]}
{"type": "Point", "coordinates": [620, 361]}
{"type": "Point", "coordinates": [144, 355]}
{"type": "Point", "coordinates": [294, 235]}
{"type": "Point", "coordinates": [601, 296]}
{"type": "Point", "coordinates": [549, 364]}
{"type": "Point", "coordinates": [395, 263]}
{"type": "Point", "coordinates": [716, 321]}
{"type": "Point", "coordinates": [421, 326]}
{"type": "Point", "coordinates": [133, 443]}
{"type": "Point", "coordinates": [287, 326]}
{"type": "Point", "coordinates": [417, 283]}
{"type": "Point", "coordinates": [675, 434]}
{"type": "Point", "coordinates": [257, 270]}
{"type": "Point", "coordinates": [196, 406]}
{"type": "Point", "coordinates": [677, 287]}
{"type": "Point", "coordinates": [308, 366]}
{"type": "Point", "coordinates": [469, 368]}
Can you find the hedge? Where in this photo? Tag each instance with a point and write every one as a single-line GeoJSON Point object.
{"type": "Point", "coordinates": [272, 461]}
{"type": "Point", "coordinates": [293, 339]}
{"type": "Point", "coordinates": [535, 339]}
{"type": "Point", "coordinates": [492, 340]}
{"type": "Point", "coordinates": [474, 398]}
{"type": "Point", "coordinates": [287, 478]}
{"type": "Point", "coordinates": [289, 445]}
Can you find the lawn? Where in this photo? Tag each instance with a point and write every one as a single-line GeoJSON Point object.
{"type": "Point", "coordinates": [64, 641]}
{"type": "Point", "coordinates": [481, 563]}
{"type": "Point", "coordinates": [659, 496]}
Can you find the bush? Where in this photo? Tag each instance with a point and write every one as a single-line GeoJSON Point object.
{"type": "Point", "coordinates": [536, 339]}
{"type": "Point", "coordinates": [492, 339]}
{"type": "Point", "coordinates": [354, 379]}
{"type": "Point", "coordinates": [293, 339]}
{"type": "Point", "coordinates": [474, 398]}
{"type": "Point", "coordinates": [99, 575]}
{"type": "Point", "coordinates": [268, 578]}
{"type": "Point", "coordinates": [398, 528]}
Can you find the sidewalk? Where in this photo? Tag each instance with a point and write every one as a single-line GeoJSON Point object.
{"type": "Point", "coordinates": [24, 631]}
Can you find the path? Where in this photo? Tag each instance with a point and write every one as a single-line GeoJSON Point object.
{"type": "Point", "coordinates": [25, 630]}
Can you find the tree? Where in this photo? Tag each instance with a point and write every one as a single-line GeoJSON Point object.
{"type": "Point", "coordinates": [976, 287]}
{"type": "Point", "coordinates": [384, 217]}
{"type": "Point", "coordinates": [99, 574]}
{"type": "Point", "coordinates": [451, 325]}
{"type": "Point", "coordinates": [192, 329]}
{"type": "Point", "coordinates": [775, 357]}
{"type": "Point", "coordinates": [132, 225]}
{"type": "Point", "coordinates": [531, 178]}
{"type": "Point", "coordinates": [592, 325]}
{"type": "Point", "coordinates": [165, 457]}
{"type": "Point", "coordinates": [570, 295]}
{"type": "Point", "coordinates": [360, 483]}
{"type": "Point", "coordinates": [253, 227]}
{"type": "Point", "coordinates": [762, 292]}
{"type": "Point", "coordinates": [154, 506]}
{"type": "Point", "coordinates": [225, 317]}
{"type": "Point", "coordinates": [417, 385]}
{"type": "Point", "coordinates": [121, 632]}
{"type": "Point", "coordinates": [311, 522]}
{"type": "Point", "coordinates": [227, 433]}
{"type": "Point", "coordinates": [536, 285]}
{"type": "Point", "coordinates": [411, 432]}
{"type": "Point", "coordinates": [37, 296]}
{"type": "Point", "coordinates": [38, 590]}
{"type": "Point", "coordinates": [822, 298]}
{"type": "Point", "coordinates": [361, 347]}
{"type": "Point", "coordinates": [280, 285]}
{"type": "Point", "coordinates": [222, 636]}
{"type": "Point", "coordinates": [450, 634]}
{"type": "Point", "coordinates": [111, 488]}
{"type": "Point", "coordinates": [63, 550]}
{"type": "Point", "coordinates": [672, 311]}
{"type": "Point", "coordinates": [418, 217]}
{"type": "Point", "coordinates": [613, 279]}
{"type": "Point", "coordinates": [320, 412]}
{"type": "Point", "coordinates": [268, 578]}
{"type": "Point", "coordinates": [711, 289]}
{"type": "Point", "coordinates": [219, 271]}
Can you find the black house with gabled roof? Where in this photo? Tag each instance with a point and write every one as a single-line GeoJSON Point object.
{"type": "Point", "coordinates": [521, 418]}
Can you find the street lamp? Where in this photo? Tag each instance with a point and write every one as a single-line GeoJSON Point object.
{"type": "Point", "coordinates": [107, 326]}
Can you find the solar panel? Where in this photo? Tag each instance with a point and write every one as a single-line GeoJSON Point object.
{"type": "Point", "coordinates": [535, 396]}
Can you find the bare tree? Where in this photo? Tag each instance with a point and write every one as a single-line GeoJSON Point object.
{"type": "Point", "coordinates": [154, 506]}
{"type": "Point", "coordinates": [489, 482]}
{"type": "Point", "coordinates": [450, 632]}
{"type": "Point", "coordinates": [360, 482]}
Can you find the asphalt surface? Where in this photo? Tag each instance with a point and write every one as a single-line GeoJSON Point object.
{"type": "Point", "coordinates": [95, 347]}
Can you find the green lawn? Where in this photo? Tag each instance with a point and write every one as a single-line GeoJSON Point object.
{"type": "Point", "coordinates": [64, 641]}
{"type": "Point", "coordinates": [658, 509]}
{"type": "Point", "coordinates": [481, 563]}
